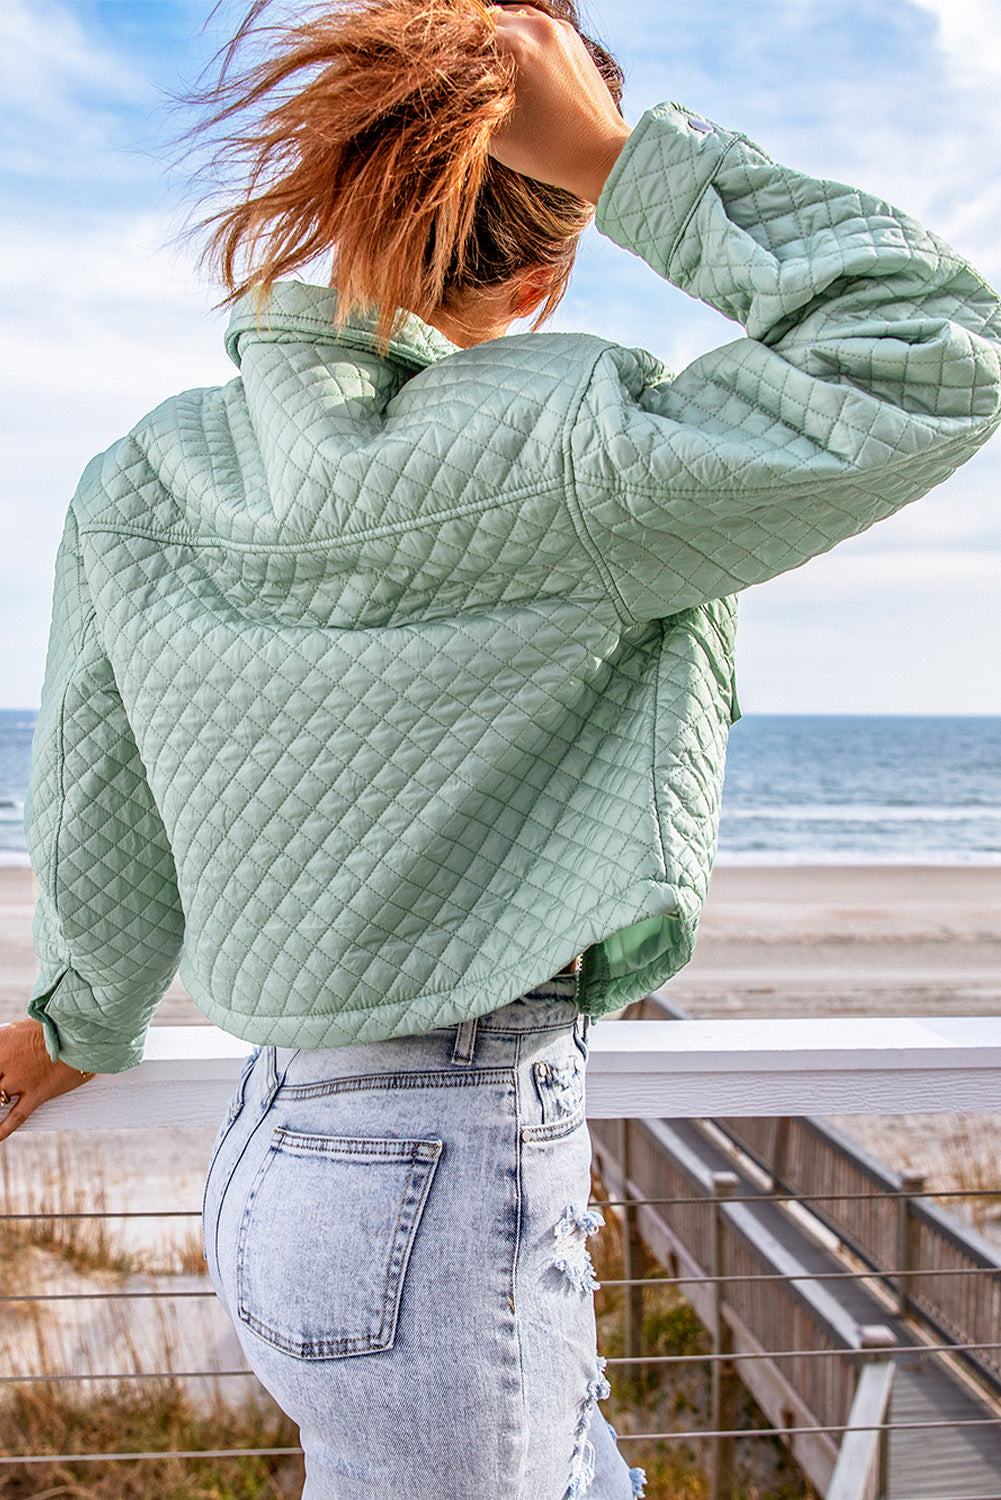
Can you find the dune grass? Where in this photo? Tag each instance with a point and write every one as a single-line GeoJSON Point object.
{"type": "Point", "coordinates": [41, 1419]}
{"type": "Point", "coordinates": [164, 1416]}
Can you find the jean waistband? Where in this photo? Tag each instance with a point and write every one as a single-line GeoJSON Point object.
{"type": "Point", "coordinates": [550, 1005]}
{"type": "Point", "coordinates": [543, 1010]}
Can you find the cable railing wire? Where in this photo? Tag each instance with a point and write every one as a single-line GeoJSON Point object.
{"type": "Point", "coordinates": [880, 1195]}
{"type": "Point", "coordinates": [829, 1429]}
{"type": "Point", "coordinates": [124, 1375]}
{"type": "Point", "coordinates": [105, 1213]}
{"type": "Point", "coordinates": [852, 1352]}
{"type": "Point", "coordinates": [691, 1436]}
{"type": "Point", "coordinates": [126, 1296]}
{"type": "Point", "coordinates": [112, 1458]}
{"type": "Point", "coordinates": [737, 1357]}
{"type": "Point", "coordinates": [912, 1274]}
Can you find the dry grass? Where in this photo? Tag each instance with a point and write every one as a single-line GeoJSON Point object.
{"type": "Point", "coordinates": [71, 1189]}
{"type": "Point", "coordinates": [41, 1419]}
{"type": "Point", "coordinates": [161, 1416]}
{"type": "Point", "coordinates": [68, 1190]}
{"type": "Point", "coordinates": [968, 1172]}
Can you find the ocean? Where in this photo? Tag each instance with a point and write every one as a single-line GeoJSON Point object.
{"type": "Point", "coordinates": [799, 790]}
{"type": "Point", "coordinates": [862, 790]}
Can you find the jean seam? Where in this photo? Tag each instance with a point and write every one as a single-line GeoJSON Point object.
{"type": "Point", "coordinates": [432, 1078]}
{"type": "Point", "coordinates": [267, 1104]}
{"type": "Point", "coordinates": [519, 1198]}
{"type": "Point", "coordinates": [556, 1130]}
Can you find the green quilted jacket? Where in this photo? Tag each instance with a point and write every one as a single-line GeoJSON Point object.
{"type": "Point", "coordinates": [381, 686]}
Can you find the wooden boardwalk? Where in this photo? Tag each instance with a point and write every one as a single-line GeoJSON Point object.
{"type": "Point", "coordinates": [940, 1461]}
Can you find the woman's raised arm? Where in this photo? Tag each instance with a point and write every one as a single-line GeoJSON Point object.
{"type": "Point", "coordinates": [871, 368]}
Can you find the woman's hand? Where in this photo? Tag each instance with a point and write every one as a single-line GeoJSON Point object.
{"type": "Point", "coordinates": [28, 1074]}
{"type": "Point", "coordinates": [566, 129]}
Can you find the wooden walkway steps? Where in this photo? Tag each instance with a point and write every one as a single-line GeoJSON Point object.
{"type": "Point", "coordinates": [682, 1157]}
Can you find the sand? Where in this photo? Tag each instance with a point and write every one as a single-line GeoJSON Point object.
{"type": "Point", "coordinates": [825, 940]}
{"type": "Point", "coordinates": [847, 940]}
{"type": "Point", "coordinates": [773, 941]}
{"type": "Point", "coordinates": [832, 940]}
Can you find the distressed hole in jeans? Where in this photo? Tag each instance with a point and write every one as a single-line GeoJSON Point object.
{"type": "Point", "coordinates": [575, 1225]}
{"type": "Point", "coordinates": [582, 1457]}
{"type": "Point", "coordinates": [574, 1220]}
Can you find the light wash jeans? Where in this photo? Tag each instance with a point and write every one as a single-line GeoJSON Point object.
{"type": "Point", "coordinates": [397, 1230]}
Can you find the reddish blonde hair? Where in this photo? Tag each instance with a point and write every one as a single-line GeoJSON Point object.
{"type": "Point", "coordinates": [362, 132]}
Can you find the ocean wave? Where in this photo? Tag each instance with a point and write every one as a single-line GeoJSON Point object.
{"type": "Point", "coordinates": [848, 812]}
{"type": "Point", "coordinates": [13, 859]}
{"type": "Point", "coordinates": [765, 858]}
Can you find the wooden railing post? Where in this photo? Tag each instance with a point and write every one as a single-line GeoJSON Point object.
{"type": "Point", "coordinates": [912, 1184]}
{"type": "Point", "coordinates": [878, 1341]}
{"type": "Point", "coordinates": [633, 1255]}
{"type": "Point", "coordinates": [862, 1471]}
{"type": "Point", "coordinates": [780, 1153]}
{"type": "Point", "coordinates": [725, 1386]}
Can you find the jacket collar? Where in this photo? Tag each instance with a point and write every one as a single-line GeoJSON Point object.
{"type": "Point", "coordinates": [298, 312]}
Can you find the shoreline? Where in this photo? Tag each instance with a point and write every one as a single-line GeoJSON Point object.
{"type": "Point", "coordinates": [765, 860]}
{"type": "Point", "coordinates": [773, 940]}
{"type": "Point", "coordinates": [838, 940]}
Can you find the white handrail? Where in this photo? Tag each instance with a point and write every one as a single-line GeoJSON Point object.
{"type": "Point", "coordinates": [641, 1069]}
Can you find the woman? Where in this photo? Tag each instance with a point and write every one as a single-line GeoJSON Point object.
{"type": "Point", "coordinates": [394, 680]}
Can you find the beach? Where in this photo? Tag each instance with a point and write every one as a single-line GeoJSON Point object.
{"type": "Point", "coordinates": [774, 941]}
{"type": "Point", "coordinates": [842, 940]}
{"type": "Point", "coordinates": [781, 940]}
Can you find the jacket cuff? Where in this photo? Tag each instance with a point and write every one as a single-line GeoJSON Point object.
{"type": "Point", "coordinates": [658, 180]}
{"type": "Point", "coordinates": [71, 1036]}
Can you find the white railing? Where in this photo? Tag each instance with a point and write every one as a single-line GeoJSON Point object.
{"type": "Point", "coordinates": [643, 1069]}
{"type": "Point", "coordinates": [676, 1070]}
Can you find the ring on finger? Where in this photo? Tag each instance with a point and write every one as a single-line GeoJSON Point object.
{"type": "Point", "coordinates": [4, 1097]}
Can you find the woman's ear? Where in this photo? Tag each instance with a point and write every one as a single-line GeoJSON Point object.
{"type": "Point", "coordinates": [530, 290]}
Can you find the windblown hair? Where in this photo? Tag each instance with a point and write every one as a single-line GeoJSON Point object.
{"type": "Point", "coordinates": [362, 132]}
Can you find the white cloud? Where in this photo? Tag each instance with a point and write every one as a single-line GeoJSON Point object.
{"type": "Point", "coordinates": [63, 93]}
{"type": "Point", "coordinates": [98, 332]}
{"type": "Point", "coordinates": [103, 320]}
{"type": "Point", "coordinates": [45, 54]}
{"type": "Point", "coordinates": [906, 633]}
{"type": "Point", "coordinates": [969, 33]}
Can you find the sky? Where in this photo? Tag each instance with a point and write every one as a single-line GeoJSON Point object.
{"type": "Point", "coordinates": [107, 315]}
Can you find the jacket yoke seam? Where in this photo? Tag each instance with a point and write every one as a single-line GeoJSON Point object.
{"type": "Point", "coordinates": [321, 544]}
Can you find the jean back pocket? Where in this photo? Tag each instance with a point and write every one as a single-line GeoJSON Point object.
{"type": "Point", "coordinates": [326, 1238]}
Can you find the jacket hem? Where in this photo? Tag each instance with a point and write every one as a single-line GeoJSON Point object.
{"type": "Point", "coordinates": [475, 997]}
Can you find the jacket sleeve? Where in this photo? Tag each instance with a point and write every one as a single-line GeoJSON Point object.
{"type": "Point", "coordinates": [870, 371]}
{"type": "Point", "coordinates": [108, 923]}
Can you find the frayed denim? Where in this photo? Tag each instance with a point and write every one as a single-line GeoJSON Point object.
{"type": "Point", "coordinates": [398, 1231]}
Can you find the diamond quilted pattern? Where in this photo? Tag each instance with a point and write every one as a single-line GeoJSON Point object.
{"type": "Point", "coordinates": [378, 687]}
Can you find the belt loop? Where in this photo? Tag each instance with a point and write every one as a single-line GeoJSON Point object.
{"type": "Point", "coordinates": [465, 1042]}
{"type": "Point", "coordinates": [272, 1087]}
